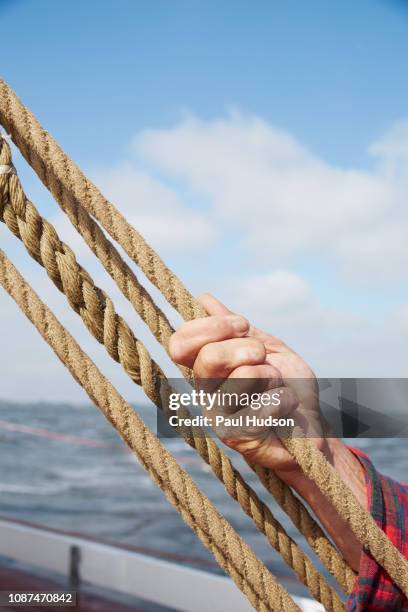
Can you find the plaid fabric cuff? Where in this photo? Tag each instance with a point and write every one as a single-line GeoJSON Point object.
{"type": "Point", "coordinates": [387, 501]}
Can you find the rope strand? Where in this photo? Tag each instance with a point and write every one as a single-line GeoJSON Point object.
{"type": "Point", "coordinates": [65, 180]}
{"type": "Point", "coordinates": [310, 529]}
{"type": "Point", "coordinates": [315, 466]}
{"type": "Point", "coordinates": [75, 195]}
{"type": "Point", "coordinates": [231, 552]}
{"type": "Point", "coordinates": [99, 315]}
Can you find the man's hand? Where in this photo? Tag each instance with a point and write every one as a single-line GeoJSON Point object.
{"type": "Point", "coordinates": [224, 346]}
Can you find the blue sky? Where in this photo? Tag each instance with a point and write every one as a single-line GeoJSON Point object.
{"type": "Point", "coordinates": [332, 73]}
{"type": "Point", "coordinates": [143, 89]}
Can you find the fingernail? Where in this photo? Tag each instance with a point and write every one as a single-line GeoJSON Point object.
{"type": "Point", "coordinates": [239, 324]}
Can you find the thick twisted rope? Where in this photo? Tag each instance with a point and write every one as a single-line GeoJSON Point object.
{"type": "Point", "coordinates": [231, 552]}
{"type": "Point", "coordinates": [100, 317]}
{"type": "Point", "coordinates": [66, 182]}
{"type": "Point", "coordinates": [53, 166]}
{"type": "Point", "coordinates": [62, 177]}
{"type": "Point", "coordinates": [119, 270]}
{"type": "Point", "coordinates": [307, 525]}
{"type": "Point", "coordinates": [317, 468]}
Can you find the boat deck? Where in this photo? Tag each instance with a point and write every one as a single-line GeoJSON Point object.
{"type": "Point", "coordinates": [112, 578]}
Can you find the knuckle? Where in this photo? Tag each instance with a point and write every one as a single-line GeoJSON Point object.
{"type": "Point", "coordinates": [227, 326]}
{"type": "Point", "coordinates": [255, 350]}
{"type": "Point", "coordinates": [236, 325]}
{"type": "Point", "coordinates": [221, 326]}
{"type": "Point", "coordinates": [209, 358]}
{"type": "Point", "coordinates": [244, 372]}
{"type": "Point", "coordinates": [275, 373]}
{"type": "Point", "coordinates": [289, 399]}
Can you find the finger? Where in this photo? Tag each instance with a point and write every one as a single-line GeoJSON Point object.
{"type": "Point", "coordinates": [258, 373]}
{"type": "Point", "coordinates": [213, 306]}
{"type": "Point", "coordinates": [255, 421]}
{"type": "Point", "coordinates": [251, 379]}
{"type": "Point", "coordinates": [218, 359]}
{"type": "Point", "coordinates": [186, 342]}
{"type": "Point", "coordinates": [266, 450]}
{"type": "Point", "coordinates": [247, 380]}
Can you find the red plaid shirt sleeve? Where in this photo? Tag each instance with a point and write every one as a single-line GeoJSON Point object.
{"type": "Point", "coordinates": [388, 503]}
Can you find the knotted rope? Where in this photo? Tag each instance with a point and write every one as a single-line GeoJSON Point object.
{"type": "Point", "coordinates": [98, 313]}
{"type": "Point", "coordinates": [73, 191]}
{"type": "Point", "coordinates": [231, 552]}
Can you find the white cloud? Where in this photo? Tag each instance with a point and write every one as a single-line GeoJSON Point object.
{"type": "Point", "coordinates": [284, 199]}
{"type": "Point", "coordinates": [279, 295]}
{"type": "Point", "coordinates": [394, 143]}
{"type": "Point", "coordinates": [336, 343]}
{"type": "Point", "coordinates": [283, 304]}
{"type": "Point", "coordinates": [274, 201]}
{"type": "Point", "coordinates": [157, 211]}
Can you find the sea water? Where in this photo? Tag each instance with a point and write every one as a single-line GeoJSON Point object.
{"type": "Point", "coordinates": [63, 466]}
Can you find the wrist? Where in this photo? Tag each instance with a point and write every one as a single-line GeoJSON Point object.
{"type": "Point", "coordinates": [343, 461]}
{"type": "Point", "coordinates": [351, 472]}
{"type": "Point", "coordinates": [295, 477]}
